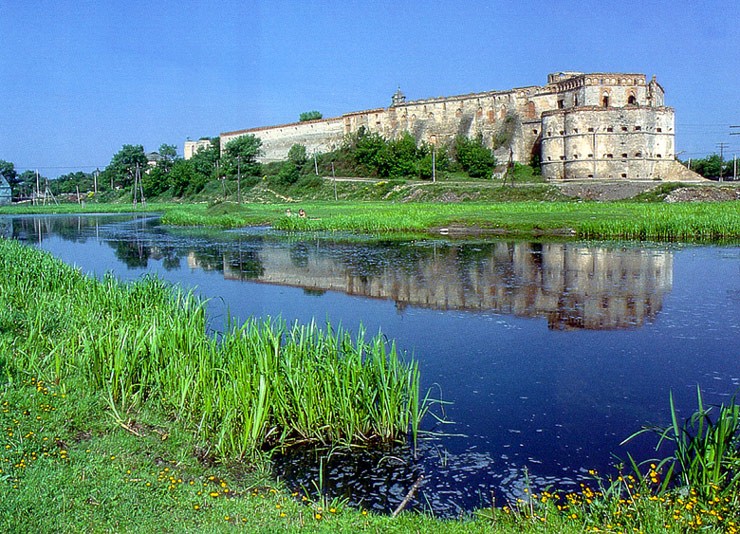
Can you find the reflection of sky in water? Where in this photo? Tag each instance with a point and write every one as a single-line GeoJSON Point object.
{"type": "Point", "coordinates": [551, 401]}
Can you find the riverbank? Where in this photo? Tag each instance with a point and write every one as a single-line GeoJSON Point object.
{"type": "Point", "coordinates": [582, 220]}
{"type": "Point", "coordinates": [77, 458]}
{"type": "Point", "coordinates": [659, 211]}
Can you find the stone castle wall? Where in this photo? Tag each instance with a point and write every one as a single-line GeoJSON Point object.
{"type": "Point", "coordinates": [581, 126]}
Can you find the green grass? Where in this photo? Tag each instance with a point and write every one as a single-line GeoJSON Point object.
{"type": "Point", "coordinates": [99, 382]}
{"type": "Point", "coordinates": [257, 385]}
{"type": "Point", "coordinates": [619, 220]}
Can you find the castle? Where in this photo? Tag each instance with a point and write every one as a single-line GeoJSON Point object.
{"type": "Point", "coordinates": [596, 126]}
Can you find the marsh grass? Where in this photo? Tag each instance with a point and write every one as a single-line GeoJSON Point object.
{"type": "Point", "coordinates": [257, 385]}
{"type": "Point", "coordinates": [589, 220]}
{"type": "Point", "coordinates": [705, 450]}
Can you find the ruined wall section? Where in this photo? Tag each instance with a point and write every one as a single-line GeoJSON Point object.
{"type": "Point", "coordinates": [496, 115]}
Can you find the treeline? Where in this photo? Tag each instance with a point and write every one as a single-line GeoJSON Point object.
{"type": "Point", "coordinates": [164, 174]}
{"type": "Point", "coordinates": [712, 167]}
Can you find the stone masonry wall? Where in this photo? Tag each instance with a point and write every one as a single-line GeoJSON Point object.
{"type": "Point", "coordinates": [582, 126]}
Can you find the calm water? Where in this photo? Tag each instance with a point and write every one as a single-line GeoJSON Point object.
{"type": "Point", "coordinates": [550, 353]}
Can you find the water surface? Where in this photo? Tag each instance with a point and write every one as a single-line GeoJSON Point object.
{"type": "Point", "coordinates": [551, 353]}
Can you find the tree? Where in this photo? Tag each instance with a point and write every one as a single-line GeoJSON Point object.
{"type": "Point", "coordinates": [240, 155]}
{"type": "Point", "coordinates": [287, 175]}
{"type": "Point", "coordinates": [122, 168]}
{"type": "Point", "coordinates": [68, 183]}
{"type": "Point", "coordinates": [168, 155]}
{"type": "Point", "coordinates": [297, 155]}
{"type": "Point", "coordinates": [404, 157]}
{"type": "Point", "coordinates": [310, 116]}
{"type": "Point", "coordinates": [710, 166]}
{"type": "Point", "coordinates": [25, 183]}
{"type": "Point", "coordinates": [183, 178]}
{"type": "Point", "coordinates": [205, 160]}
{"type": "Point", "coordinates": [474, 157]}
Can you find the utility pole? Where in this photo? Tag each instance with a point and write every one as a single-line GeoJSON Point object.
{"type": "Point", "coordinates": [434, 163]}
{"type": "Point", "coordinates": [97, 172]}
{"type": "Point", "coordinates": [239, 179]}
{"type": "Point", "coordinates": [734, 157]}
{"type": "Point", "coordinates": [722, 147]}
{"type": "Point", "coordinates": [334, 179]}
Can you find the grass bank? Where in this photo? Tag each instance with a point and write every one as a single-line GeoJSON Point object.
{"type": "Point", "coordinates": [618, 220]}
{"type": "Point", "coordinates": [106, 423]}
{"type": "Point", "coordinates": [260, 384]}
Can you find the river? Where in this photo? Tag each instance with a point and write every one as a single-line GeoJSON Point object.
{"type": "Point", "coordinates": [549, 353]}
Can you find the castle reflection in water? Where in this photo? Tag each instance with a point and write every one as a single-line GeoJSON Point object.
{"type": "Point", "coordinates": [574, 286]}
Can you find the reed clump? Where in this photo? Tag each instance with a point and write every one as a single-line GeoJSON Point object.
{"type": "Point", "coordinates": [255, 386]}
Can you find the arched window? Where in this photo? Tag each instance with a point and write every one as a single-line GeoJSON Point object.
{"type": "Point", "coordinates": [632, 100]}
{"type": "Point", "coordinates": [605, 100]}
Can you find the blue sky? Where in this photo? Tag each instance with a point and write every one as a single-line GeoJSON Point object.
{"type": "Point", "coordinates": [79, 79]}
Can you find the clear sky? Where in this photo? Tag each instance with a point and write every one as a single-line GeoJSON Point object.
{"type": "Point", "coordinates": [79, 79]}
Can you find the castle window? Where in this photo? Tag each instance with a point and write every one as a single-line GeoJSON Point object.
{"type": "Point", "coordinates": [549, 158]}
{"type": "Point", "coordinates": [638, 154]}
{"type": "Point", "coordinates": [659, 130]}
{"type": "Point", "coordinates": [632, 100]}
{"type": "Point", "coordinates": [590, 129]}
{"type": "Point", "coordinates": [624, 128]}
{"type": "Point", "coordinates": [534, 132]}
{"type": "Point", "coordinates": [624, 156]}
{"type": "Point", "coordinates": [549, 133]}
{"type": "Point", "coordinates": [590, 175]}
{"type": "Point", "coordinates": [575, 156]}
{"type": "Point", "coordinates": [624, 175]}
{"type": "Point", "coordinates": [609, 129]}
{"type": "Point", "coordinates": [562, 132]}
{"type": "Point", "coordinates": [561, 104]}
{"type": "Point", "coordinates": [638, 128]}
{"type": "Point", "coordinates": [590, 155]}
{"type": "Point", "coordinates": [575, 130]}
{"type": "Point", "coordinates": [657, 155]}
{"type": "Point", "coordinates": [610, 156]}
{"type": "Point", "coordinates": [605, 101]}
{"type": "Point", "coordinates": [562, 157]}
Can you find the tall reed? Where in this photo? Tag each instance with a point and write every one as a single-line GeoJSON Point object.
{"type": "Point", "coordinates": [706, 450]}
{"type": "Point", "coordinates": [258, 385]}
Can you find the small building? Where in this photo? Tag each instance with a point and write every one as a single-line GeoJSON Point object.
{"type": "Point", "coordinates": [6, 193]}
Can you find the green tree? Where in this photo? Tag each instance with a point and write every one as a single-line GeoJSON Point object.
{"type": "Point", "coordinates": [368, 150]}
{"type": "Point", "coordinates": [287, 175]}
{"type": "Point", "coordinates": [240, 155]}
{"type": "Point", "coordinates": [403, 157]}
{"type": "Point", "coordinates": [122, 168]}
{"type": "Point", "coordinates": [712, 166]}
{"type": "Point", "coordinates": [168, 155]}
{"type": "Point", "coordinates": [25, 183]}
{"type": "Point", "coordinates": [310, 116]}
{"type": "Point", "coordinates": [298, 156]}
{"type": "Point", "coordinates": [154, 181]}
{"type": "Point", "coordinates": [205, 161]}
{"type": "Point", "coordinates": [474, 157]}
{"type": "Point", "coordinates": [428, 164]}
{"type": "Point", "coordinates": [183, 178]}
